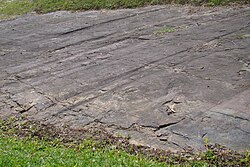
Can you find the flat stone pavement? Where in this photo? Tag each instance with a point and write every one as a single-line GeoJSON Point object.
{"type": "Point", "coordinates": [164, 76]}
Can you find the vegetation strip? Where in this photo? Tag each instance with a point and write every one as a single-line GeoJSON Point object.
{"type": "Point", "coordinates": [17, 7]}
{"type": "Point", "coordinates": [25, 142]}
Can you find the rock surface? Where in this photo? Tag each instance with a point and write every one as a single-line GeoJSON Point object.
{"type": "Point", "coordinates": [165, 76]}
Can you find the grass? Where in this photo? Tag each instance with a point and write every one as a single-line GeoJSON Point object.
{"type": "Point", "coordinates": [243, 36]}
{"type": "Point", "coordinates": [13, 8]}
{"type": "Point", "coordinates": [35, 152]}
{"type": "Point", "coordinates": [22, 144]}
{"type": "Point", "coordinates": [27, 143]}
{"type": "Point", "coordinates": [10, 8]}
{"type": "Point", "coordinates": [164, 30]}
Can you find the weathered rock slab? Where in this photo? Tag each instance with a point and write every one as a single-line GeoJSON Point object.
{"type": "Point", "coordinates": [165, 76]}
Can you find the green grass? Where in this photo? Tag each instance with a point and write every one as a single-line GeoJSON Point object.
{"type": "Point", "coordinates": [17, 7]}
{"type": "Point", "coordinates": [164, 30]}
{"type": "Point", "coordinates": [27, 152]}
{"type": "Point", "coordinates": [27, 143]}
{"type": "Point", "coordinates": [243, 36]}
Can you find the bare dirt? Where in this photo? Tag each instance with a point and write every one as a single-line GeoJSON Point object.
{"type": "Point", "coordinates": [113, 70]}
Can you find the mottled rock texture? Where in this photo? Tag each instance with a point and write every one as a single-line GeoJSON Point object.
{"type": "Point", "coordinates": [165, 76]}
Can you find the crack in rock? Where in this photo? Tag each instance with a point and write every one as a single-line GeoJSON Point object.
{"type": "Point", "coordinates": [232, 116]}
{"type": "Point", "coordinates": [182, 135]}
{"type": "Point", "coordinates": [157, 128]}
